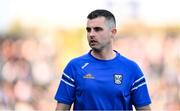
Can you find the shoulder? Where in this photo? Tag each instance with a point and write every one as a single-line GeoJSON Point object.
{"type": "Point", "coordinates": [128, 62]}
{"type": "Point", "coordinates": [80, 59]}
{"type": "Point", "coordinates": [75, 64]}
{"type": "Point", "coordinates": [132, 66]}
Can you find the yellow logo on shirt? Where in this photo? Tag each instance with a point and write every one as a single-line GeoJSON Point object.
{"type": "Point", "coordinates": [88, 76]}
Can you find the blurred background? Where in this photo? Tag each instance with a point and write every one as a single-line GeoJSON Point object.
{"type": "Point", "coordinates": [39, 37]}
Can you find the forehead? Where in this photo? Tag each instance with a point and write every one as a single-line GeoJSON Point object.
{"type": "Point", "coordinates": [99, 21]}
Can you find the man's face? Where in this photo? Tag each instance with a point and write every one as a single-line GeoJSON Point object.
{"type": "Point", "coordinates": [99, 34]}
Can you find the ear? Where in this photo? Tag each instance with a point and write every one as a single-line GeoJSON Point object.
{"type": "Point", "coordinates": [114, 31]}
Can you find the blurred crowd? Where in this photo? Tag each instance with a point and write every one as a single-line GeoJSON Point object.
{"type": "Point", "coordinates": [28, 74]}
{"type": "Point", "coordinates": [159, 57]}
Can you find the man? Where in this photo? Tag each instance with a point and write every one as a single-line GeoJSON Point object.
{"type": "Point", "coordinates": [102, 79]}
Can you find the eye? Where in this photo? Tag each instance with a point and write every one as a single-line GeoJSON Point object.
{"type": "Point", "coordinates": [88, 29]}
{"type": "Point", "coordinates": [98, 29]}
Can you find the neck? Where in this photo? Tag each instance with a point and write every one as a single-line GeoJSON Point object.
{"type": "Point", "coordinates": [104, 54]}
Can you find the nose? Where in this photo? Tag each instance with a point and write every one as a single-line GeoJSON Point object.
{"type": "Point", "coordinates": [91, 34]}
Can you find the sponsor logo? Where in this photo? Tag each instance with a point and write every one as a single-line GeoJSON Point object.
{"type": "Point", "coordinates": [88, 76]}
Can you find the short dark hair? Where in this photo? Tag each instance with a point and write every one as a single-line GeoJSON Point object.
{"type": "Point", "coordinates": [103, 13]}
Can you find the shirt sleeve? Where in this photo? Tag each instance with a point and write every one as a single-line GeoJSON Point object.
{"type": "Point", "coordinates": [139, 91]}
{"type": "Point", "coordinates": [66, 90]}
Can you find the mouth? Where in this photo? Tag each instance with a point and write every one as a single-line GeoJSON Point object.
{"type": "Point", "coordinates": [93, 42]}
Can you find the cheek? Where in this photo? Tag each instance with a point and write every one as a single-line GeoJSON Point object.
{"type": "Point", "coordinates": [105, 37]}
{"type": "Point", "coordinates": [88, 38]}
{"type": "Point", "coordinates": [104, 40]}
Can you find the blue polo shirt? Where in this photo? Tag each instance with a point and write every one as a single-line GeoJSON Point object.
{"type": "Point", "coordinates": [93, 84]}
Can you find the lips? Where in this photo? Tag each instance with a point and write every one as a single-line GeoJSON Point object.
{"type": "Point", "coordinates": [92, 42]}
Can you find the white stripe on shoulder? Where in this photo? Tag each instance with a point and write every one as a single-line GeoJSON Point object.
{"type": "Point", "coordinates": [138, 80]}
{"type": "Point", "coordinates": [138, 86]}
{"type": "Point", "coordinates": [84, 65]}
{"type": "Point", "coordinates": [68, 77]}
{"type": "Point", "coordinates": [68, 83]}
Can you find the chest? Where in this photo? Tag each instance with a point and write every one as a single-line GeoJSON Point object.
{"type": "Point", "coordinates": [104, 80]}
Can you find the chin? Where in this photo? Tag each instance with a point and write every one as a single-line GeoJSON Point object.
{"type": "Point", "coordinates": [96, 49]}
